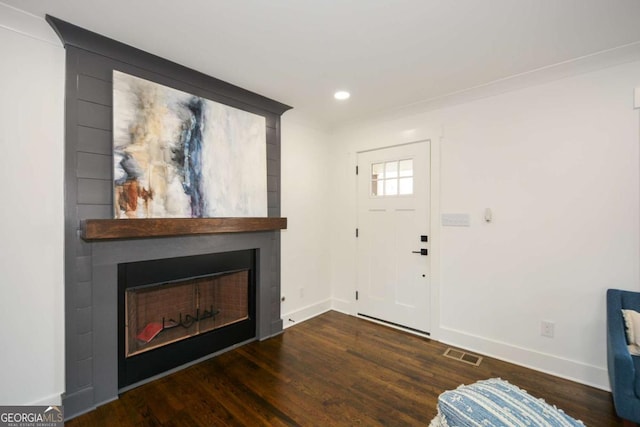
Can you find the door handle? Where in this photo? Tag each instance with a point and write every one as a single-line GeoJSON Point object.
{"type": "Point", "coordinates": [421, 252]}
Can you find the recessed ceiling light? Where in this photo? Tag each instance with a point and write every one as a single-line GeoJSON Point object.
{"type": "Point", "coordinates": [341, 95]}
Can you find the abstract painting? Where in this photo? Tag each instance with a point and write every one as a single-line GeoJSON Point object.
{"type": "Point", "coordinates": [178, 155]}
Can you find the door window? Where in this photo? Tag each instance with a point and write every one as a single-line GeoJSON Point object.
{"type": "Point", "coordinates": [392, 178]}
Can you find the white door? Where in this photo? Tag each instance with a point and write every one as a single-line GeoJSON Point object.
{"type": "Point", "coordinates": [393, 229]}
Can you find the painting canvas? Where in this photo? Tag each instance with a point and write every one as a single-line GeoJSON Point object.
{"type": "Point", "coordinates": [177, 155]}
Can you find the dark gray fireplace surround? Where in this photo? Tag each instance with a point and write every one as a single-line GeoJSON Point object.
{"type": "Point", "coordinates": [91, 266]}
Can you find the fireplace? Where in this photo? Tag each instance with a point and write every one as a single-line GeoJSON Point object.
{"type": "Point", "coordinates": [173, 311]}
{"type": "Point", "coordinates": [95, 252]}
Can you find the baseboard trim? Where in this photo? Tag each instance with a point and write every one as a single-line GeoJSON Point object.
{"type": "Point", "coordinates": [54, 400]}
{"type": "Point", "coordinates": [553, 365]}
{"type": "Point", "coordinates": [305, 313]}
{"type": "Point", "coordinates": [78, 403]}
{"type": "Point", "coordinates": [342, 306]}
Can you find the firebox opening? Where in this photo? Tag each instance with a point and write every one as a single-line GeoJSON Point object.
{"type": "Point", "coordinates": [173, 311]}
{"type": "Point", "coordinates": [162, 314]}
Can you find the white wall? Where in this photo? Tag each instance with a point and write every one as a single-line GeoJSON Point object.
{"type": "Point", "coordinates": [559, 165]}
{"type": "Point", "coordinates": [306, 198]}
{"type": "Point", "coordinates": [31, 221]}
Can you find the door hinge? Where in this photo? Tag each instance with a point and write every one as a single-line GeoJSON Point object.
{"type": "Point", "coordinates": [357, 232]}
{"type": "Point", "coordinates": [356, 295]}
{"type": "Point", "coordinates": [356, 170]}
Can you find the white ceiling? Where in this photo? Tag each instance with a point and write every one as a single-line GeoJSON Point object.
{"type": "Point", "coordinates": [387, 53]}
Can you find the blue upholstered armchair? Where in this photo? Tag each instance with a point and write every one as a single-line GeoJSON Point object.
{"type": "Point", "coordinates": [624, 369]}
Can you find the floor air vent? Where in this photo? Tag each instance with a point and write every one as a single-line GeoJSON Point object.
{"type": "Point", "coordinates": [471, 359]}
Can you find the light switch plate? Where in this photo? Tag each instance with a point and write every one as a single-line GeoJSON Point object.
{"type": "Point", "coordinates": [456, 220]}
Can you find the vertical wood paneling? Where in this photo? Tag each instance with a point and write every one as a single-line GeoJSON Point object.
{"type": "Point", "coordinates": [95, 212]}
{"type": "Point", "coordinates": [95, 90]}
{"type": "Point", "coordinates": [83, 295]}
{"type": "Point", "coordinates": [94, 115]}
{"type": "Point", "coordinates": [91, 140]}
{"type": "Point", "coordinates": [95, 191]}
{"type": "Point", "coordinates": [96, 66]}
{"type": "Point", "coordinates": [83, 320]}
{"type": "Point", "coordinates": [85, 346]}
{"type": "Point", "coordinates": [95, 166]}
{"type": "Point", "coordinates": [74, 400]}
{"type": "Point", "coordinates": [83, 269]}
{"type": "Point", "coordinates": [83, 248]}
{"type": "Point", "coordinates": [84, 373]}
{"type": "Point", "coordinates": [90, 375]}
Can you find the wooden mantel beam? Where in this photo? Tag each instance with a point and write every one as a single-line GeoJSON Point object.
{"type": "Point", "coordinates": [110, 229]}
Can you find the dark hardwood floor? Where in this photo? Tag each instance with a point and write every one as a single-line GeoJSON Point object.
{"type": "Point", "coordinates": [331, 370]}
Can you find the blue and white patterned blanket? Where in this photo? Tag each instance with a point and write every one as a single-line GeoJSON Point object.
{"type": "Point", "coordinates": [496, 403]}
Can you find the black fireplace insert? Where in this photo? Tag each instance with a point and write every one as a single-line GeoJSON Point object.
{"type": "Point", "coordinates": [176, 310]}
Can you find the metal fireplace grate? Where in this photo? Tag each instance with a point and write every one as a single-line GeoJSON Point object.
{"type": "Point", "coordinates": [463, 356]}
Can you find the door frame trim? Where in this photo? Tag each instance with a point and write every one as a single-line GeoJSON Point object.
{"type": "Point", "coordinates": [385, 147]}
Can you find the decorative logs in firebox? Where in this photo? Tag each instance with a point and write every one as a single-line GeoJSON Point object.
{"type": "Point", "coordinates": [151, 330]}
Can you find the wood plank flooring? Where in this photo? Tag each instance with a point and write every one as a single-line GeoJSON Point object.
{"type": "Point", "coordinates": [332, 370]}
